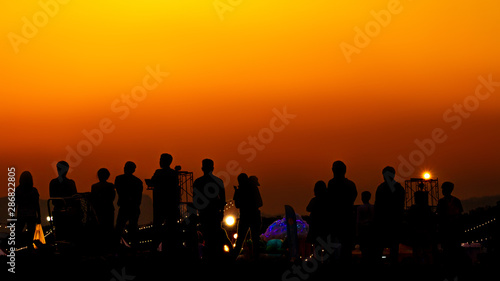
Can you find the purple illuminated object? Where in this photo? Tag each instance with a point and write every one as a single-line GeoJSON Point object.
{"type": "Point", "coordinates": [277, 230]}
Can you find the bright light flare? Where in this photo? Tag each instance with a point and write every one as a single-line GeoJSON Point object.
{"type": "Point", "coordinates": [427, 175]}
{"type": "Point", "coordinates": [229, 220]}
{"type": "Point", "coordinates": [226, 248]}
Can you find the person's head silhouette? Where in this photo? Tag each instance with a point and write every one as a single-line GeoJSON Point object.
{"type": "Point", "coordinates": [103, 174]}
{"type": "Point", "coordinates": [447, 188]}
{"type": "Point", "coordinates": [207, 166]}
{"type": "Point", "coordinates": [62, 168]}
{"type": "Point", "coordinates": [320, 189]}
{"type": "Point", "coordinates": [366, 196]}
{"type": "Point", "coordinates": [165, 160]}
{"type": "Point", "coordinates": [389, 173]}
{"type": "Point", "coordinates": [254, 180]}
{"type": "Point", "coordinates": [129, 168]}
{"type": "Point", "coordinates": [26, 179]}
{"type": "Point", "coordinates": [339, 169]}
{"type": "Point", "coordinates": [243, 179]}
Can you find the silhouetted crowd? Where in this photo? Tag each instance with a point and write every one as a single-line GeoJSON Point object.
{"type": "Point", "coordinates": [333, 215]}
{"type": "Point", "coordinates": [385, 224]}
{"type": "Point", "coordinates": [67, 208]}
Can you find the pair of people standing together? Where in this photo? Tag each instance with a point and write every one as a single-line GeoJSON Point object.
{"type": "Point", "coordinates": [332, 212]}
{"type": "Point", "coordinates": [246, 197]}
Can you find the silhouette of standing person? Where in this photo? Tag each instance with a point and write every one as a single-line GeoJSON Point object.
{"type": "Point", "coordinates": [247, 198]}
{"type": "Point", "coordinates": [342, 193]}
{"type": "Point", "coordinates": [422, 223]}
{"type": "Point", "coordinates": [27, 207]}
{"type": "Point", "coordinates": [129, 189]}
{"type": "Point", "coordinates": [166, 199]}
{"type": "Point", "coordinates": [449, 211]}
{"type": "Point", "coordinates": [210, 200]}
{"type": "Point", "coordinates": [389, 210]}
{"type": "Point", "coordinates": [66, 211]}
{"type": "Point", "coordinates": [365, 216]}
{"type": "Point", "coordinates": [62, 186]}
{"type": "Point", "coordinates": [318, 207]}
{"type": "Point", "coordinates": [103, 194]}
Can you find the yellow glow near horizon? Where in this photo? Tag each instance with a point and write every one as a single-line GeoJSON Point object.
{"type": "Point", "coordinates": [427, 175]}
{"type": "Point", "coordinates": [343, 68]}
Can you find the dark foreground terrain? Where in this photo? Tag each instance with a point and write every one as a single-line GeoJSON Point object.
{"type": "Point", "coordinates": [128, 265]}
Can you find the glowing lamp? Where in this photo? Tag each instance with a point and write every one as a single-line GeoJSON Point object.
{"type": "Point", "coordinates": [229, 220]}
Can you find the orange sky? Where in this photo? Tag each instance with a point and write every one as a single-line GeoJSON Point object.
{"type": "Point", "coordinates": [67, 66]}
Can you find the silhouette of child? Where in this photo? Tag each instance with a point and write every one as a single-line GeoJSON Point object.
{"type": "Point", "coordinates": [365, 216]}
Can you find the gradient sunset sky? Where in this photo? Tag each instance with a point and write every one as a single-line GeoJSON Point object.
{"type": "Point", "coordinates": [71, 67]}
